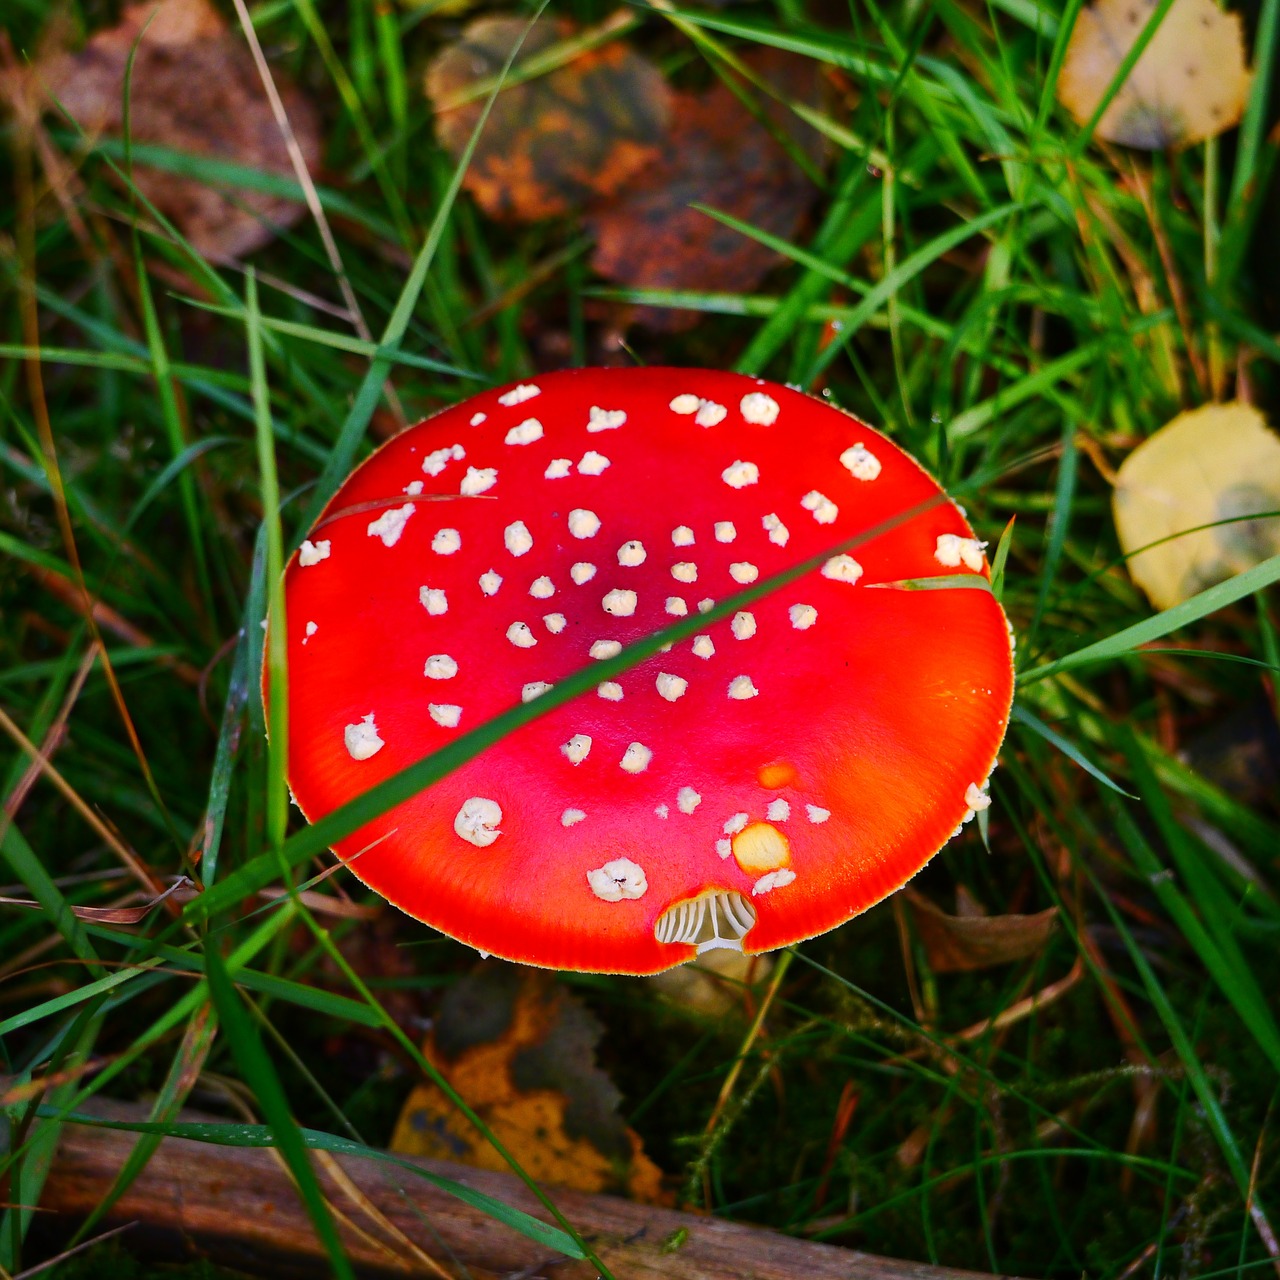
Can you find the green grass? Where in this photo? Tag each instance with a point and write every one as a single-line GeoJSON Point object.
{"type": "Point", "coordinates": [1012, 302]}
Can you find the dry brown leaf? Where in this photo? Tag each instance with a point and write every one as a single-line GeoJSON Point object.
{"type": "Point", "coordinates": [194, 90]}
{"type": "Point", "coordinates": [963, 942]}
{"type": "Point", "coordinates": [182, 887]}
{"type": "Point", "coordinates": [555, 141]}
{"type": "Point", "coordinates": [718, 154]}
{"type": "Point", "coordinates": [521, 1050]}
{"type": "Point", "coordinates": [1219, 462]}
{"type": "Point", "coordinates": [1190, 83]}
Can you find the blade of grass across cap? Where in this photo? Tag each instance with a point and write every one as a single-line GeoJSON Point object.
{"type": "Point", "coordinates": [233, 1134]}
{"type": "Point", "coordinates": [1020, 715]}
{"type": "Point", "coordinates": [943, 582]}
{"type": "Point", "coordinates": [343, 453]}
{"type": "Point", "coordinates": [378, 799]}
{"type": "Point", "coordinates": [1130, 639]}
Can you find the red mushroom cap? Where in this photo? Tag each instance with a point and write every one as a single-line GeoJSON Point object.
{"type": "Point", "coordinates": [768, 779]}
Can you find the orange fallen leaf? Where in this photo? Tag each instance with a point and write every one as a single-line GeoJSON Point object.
{"type": "Point", "coordinates": [521, 1050]}
{"type": "Point", "coordinates": [717, 154]}
{"type": "Point", "coordinates": [195, 90]}
{"type": "Point", "coordinates": [554, 141]}
{"type": "Point", "coordinates": [1190, 83]}
{"type": "Point", "coordinates": [964, 942]}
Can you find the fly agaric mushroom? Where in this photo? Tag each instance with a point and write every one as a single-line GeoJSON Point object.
{"type": "Point", "coordinates": [756, 784]}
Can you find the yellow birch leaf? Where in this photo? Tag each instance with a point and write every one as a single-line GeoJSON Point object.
{"type": "Point", "coordinates": [1190, 83]}
{"type": "Point", "coordinates": [1213, 464]}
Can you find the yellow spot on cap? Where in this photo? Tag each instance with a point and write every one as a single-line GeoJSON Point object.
{"type": "Point", "coordinates": [761, 847]}
{"type": "Point", "coordinates": [777, 776]}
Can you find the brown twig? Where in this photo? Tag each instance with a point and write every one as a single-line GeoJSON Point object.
{"type": "Point", "coordinates": [238, 1205]}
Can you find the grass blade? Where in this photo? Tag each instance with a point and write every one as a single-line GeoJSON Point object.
{"type": "Point", "coordinates": [260, 1075]}
{"type": "Point", "coordinates": [1129, 639]}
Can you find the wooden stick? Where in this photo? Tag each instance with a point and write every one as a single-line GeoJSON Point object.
{"type": "Point", "coordinates": [238, 1206]}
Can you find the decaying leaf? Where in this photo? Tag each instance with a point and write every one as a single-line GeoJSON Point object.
{"type": "Point", "coordinates": [1190, 83]}
{"type": "Point", "coordinates": [973, 941]}
{"type": "Point", "coordinates": [195, 90]}
{"type": "Point", "coordinates": [1240, 753]}
{"type": "Point", "coordinates": [521, 1050]}
{"type": "Point", "coordinates": [718, 154]}
{"type": "Point", "coordinates": [1216, 463]}
{"type": "Point", "coordinates": [554, 141]}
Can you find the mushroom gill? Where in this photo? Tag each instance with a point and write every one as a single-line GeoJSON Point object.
{"type": "Point", "coordinates": [714, 920]}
